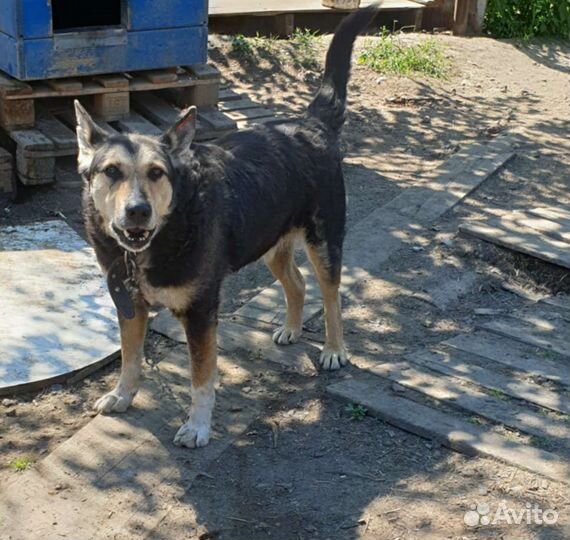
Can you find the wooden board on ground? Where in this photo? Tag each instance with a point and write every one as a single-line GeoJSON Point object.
{"type": "Point", "coordinates": [514, 235]}
{"type": "Point", "coordinates": [58, 317]}
{"type": "Point", "coordinates": [232, 337]}
{"type": "Point", "coordinates": [464, 367]}
{"type": "Point", "coordinates": [512, 353]}
{"type": "Point", "coordinates": [553, 213]}
{"type": "Point", "coordinates": [387, 229]}
{"type": "Point", "coordinates": [454, 393]}
{"type": "Point", "coordinates": [545, 334]}
{"type": "Point", "coordinates": [448, 430]}
{"type": "Point", "coordinates": [122, 473]}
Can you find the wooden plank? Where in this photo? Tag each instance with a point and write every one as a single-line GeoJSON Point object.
{"type": "Point", "coordinates": [510, 235]}
{"type": "Point", "coordinates": [511, 353]}
{"type": "Point", "coordinates": [68, 116]}
{"type": "Point", "coordinates": [135, 123]}
{"type": "Point", "coordinates": [93, 87]}
{"type": "Point", "coordinates": [156, 109]}
{"type": "Point", "coordinates": [63, 137]}
{"type": "Point", "coordinates": [552, 221]}
{"type": "Point", "coordinates": [159, 75]}
{"type": "Point", "coordinates": [205, 72]}
{"type": "Point", "coordinates": [67, 85]}
{"type": "Point", "coordinates": [233, 337]}
{"type": "Point", "coordinates": [456, 394]}
{"type": "Point", "coordinates": [237, 105]}
{"type": "Point", "coordinates": [448, 430]}
{"type": "Point", "coordinates": [12, 87]}
{"type": "Point", "coordinates": [463, 366]}
{"type": "Point", "coordinates": [546, 335]}
{"type": "Point", "coordinates": [554, 213]}
{"type": "Point", "coordinates": [31, 140]}
{"type": "Point", "coordinates": [113, 80]}
{"type": "Point", "coordinates": [226, 94]}
{"type": "Point", "coordinates": [216, 120]}
{"type": "Point", "coordinates": [249, 114]}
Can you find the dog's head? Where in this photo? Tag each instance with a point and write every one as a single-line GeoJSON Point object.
{"type": "Point", "coordinates": [130, 178]}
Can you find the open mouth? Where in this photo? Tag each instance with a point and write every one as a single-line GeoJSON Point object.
{"type": "Point", "coordinates": [135, 238]}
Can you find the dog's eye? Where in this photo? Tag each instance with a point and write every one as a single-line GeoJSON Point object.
{"type": "Point", "coordinates": [155, 173]}
{"type": "Point", "coordinates": [113, 172]}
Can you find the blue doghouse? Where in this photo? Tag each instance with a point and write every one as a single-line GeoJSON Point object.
{"type": "Point", "coordinates": [43, 39]}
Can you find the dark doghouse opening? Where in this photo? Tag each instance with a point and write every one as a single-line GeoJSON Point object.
{"type": "Point", "coordinates": [85, 14]}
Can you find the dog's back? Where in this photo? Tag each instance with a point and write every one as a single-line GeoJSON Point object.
{"type": "Point", "coordinates": [289, 172]}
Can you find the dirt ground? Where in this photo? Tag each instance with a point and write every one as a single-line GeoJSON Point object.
{"type": "Point", "coordinates": [331, 476]}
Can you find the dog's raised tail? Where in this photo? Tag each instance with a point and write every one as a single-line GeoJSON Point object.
{"type": "Point", "coordinates": [329, 103]}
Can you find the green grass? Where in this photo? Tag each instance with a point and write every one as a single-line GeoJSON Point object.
{"type": "Point", "coordinates": [301, 48]}
{"type": "Point", "coordinates": [306, 43]}
{"type": "Point", "coordinates": [242, 46]}
{"type": "Point", "coordinates": [390, 54]}
{"type": "Point", "coordinates": [356, 412]}
{"type": "Point", "coordinates": [20, 464]}
{"type": "Point", "coordinates": [498, 394]}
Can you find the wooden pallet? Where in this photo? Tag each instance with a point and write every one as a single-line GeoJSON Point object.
{"type": "Point", "coordinates": [108, 96]}
{"type": "Point", "coordinates": [507, 374]}
{"type": "Point", "coordinates": [53, 137]}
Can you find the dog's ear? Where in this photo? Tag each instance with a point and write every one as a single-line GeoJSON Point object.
{"type": "Point", "coordinates": [89, 136]}
{"type": "Point", "coordinates": [179, 137]}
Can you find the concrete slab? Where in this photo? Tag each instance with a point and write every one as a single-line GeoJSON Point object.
{"type": "Point", "coordinates": [57, 317]}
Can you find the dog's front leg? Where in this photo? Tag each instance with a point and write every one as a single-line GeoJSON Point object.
{"type": "Point", "coordinates": [201, 328]}
{"type": "Point", "coordinates": [133, 332]}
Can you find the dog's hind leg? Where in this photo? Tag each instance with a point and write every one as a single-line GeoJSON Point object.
{"type": "Point", "coordinates": [281, 261]}
{"type": "Point", "coordinates": [133, 332]}
{"type": "Point", "coordinates": [334, 354]}
{"type": "Point", "coordinates": [201, 328]}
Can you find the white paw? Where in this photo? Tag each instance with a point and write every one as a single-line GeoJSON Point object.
{"type": "Point", "coordinates": [113, 402]}
{"type": "Point", "coordinates": [286, 335]}
{"type": "Point", "coordinates": [332, 359]}
{"type": "Point", "coordinates": [192, 435]}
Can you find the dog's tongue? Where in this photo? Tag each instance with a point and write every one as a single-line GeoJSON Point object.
{"type": "Point", "coordinates": [117, 280]}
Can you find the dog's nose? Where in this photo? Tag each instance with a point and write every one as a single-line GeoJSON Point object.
{"type": "Point", "coordinates": [138, 213]}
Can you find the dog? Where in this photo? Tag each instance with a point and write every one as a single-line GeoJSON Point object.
{"type": "Point", "coordinates": [169, 219]}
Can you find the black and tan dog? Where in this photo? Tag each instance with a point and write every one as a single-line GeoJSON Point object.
{"type": "Point", "coordinates": [172, 218]}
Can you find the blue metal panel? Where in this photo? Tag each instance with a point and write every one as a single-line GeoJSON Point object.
{"type": "Point", "coordinates": [35, 18]}
{"type": "Point", "coordinates": [147, 14]}
{"type": "Point", "coordinates": [8, 54]}
{"type": "Point", "coordinates": [9, 17]}
{"type": "Point", "coordinates": [112, 51]}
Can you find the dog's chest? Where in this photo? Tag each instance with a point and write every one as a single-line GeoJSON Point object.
{"type": "Point", "coordinates": [174, 298]}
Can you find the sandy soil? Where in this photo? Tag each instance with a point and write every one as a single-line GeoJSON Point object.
{"type": "Point", "coordinates": [331, 477]}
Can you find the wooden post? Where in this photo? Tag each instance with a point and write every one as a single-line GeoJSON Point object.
{"type": "Point", "coordinates": [418, 19]}
{"type": "Point", "coordinates": [284, 24]}
{"type": "Point", "coordinates": [465, 12]}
